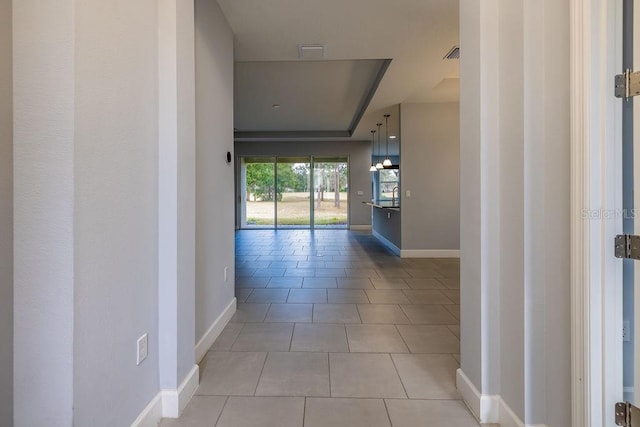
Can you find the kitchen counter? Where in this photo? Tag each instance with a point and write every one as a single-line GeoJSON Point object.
{"type": "Point", "coordinates": [384, 205]}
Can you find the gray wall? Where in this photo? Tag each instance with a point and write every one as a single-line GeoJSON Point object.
{"type": "Point", "coordinates": [515, 205]}
{"type": "Point", "coordinates": [44, 109]}
{"type": "Point", "coordinates": [214, 178]}
{"type": "Point", "coordinates": [116, 209]}
{"type": "Point", "coordinates": [6, 217]}
{"type": "Point", "coordinates": [388, 224]}
{"type": "Point", "coordinates": [473, 358]}
{"type": "Point", "coordinates": [430, 169]}
{"type": "Point", "coordinates": [512, 201]}
{"type": "Point", "coordinates": [359, 153]}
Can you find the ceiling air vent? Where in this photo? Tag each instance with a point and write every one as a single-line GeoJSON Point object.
{"type": "Point", "coordinates": [454, 53]}
{"type": "Point", "coordinates": [310, 51]}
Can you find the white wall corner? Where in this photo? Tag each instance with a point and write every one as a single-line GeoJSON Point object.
{"type": "Point", "coordinates": [174, 401]}
{"type": "Point", "coordinates": [430, 253]}
{"type": "Point", "coordinates": [387, 243]}
{"type": "Point", "coordinates": [485, 408]}
{"type": "Point", "coordinates": [151, 415]}
{"type": "Point", "coordinates": [205, 343]}
{"type": "Point", "coordinates": [360, 227]}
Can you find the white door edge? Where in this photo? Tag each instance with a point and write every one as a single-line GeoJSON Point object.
{"type": "Point", "coordinates": [595, 194]}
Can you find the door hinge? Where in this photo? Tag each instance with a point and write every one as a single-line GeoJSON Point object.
{"type": "Point", "coordinates": [627, 246]}
{"type": "Point", "coordinates": [627, 84]}
{"type": "Point", "coordinates": [627, 415]}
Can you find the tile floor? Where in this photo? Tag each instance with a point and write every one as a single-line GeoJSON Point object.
{"type": "Point", "coordinates": [333, 330]}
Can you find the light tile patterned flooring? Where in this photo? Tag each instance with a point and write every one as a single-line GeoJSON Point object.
{"type": "Point", "coordinates": [333, 330]}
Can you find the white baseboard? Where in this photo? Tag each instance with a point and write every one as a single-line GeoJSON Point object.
{"type": "Point", "coordinates": [507, 417]}
{"type": "Point", "coordinates": [488, 409]}
{"type": "Point", "coordinates": [387, 242]}
{"type": "Point", "coordinates": [151, 415]}
{"type": "Point", "coordinates": [174, 401]}
{"type": "Point", "coordinates": [430, 253]}
{"type": "Point", "coordinates": [363, 227]}
{"type": "Point", "coordinates": [169, 403]}
{"type": "Point", "coordinates": [205, 343]}
{"type": "Point", "coordinates": [485, 408]}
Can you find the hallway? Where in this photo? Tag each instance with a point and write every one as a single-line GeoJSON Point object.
{"type": "Point", "coordinates": [333, 330]}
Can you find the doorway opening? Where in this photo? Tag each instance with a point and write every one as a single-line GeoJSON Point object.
{"type": "Point", "coordinates": [293, 192]}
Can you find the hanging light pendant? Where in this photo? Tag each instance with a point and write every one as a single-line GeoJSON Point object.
{"type": "Point", "coordinates": [373, 144]}
{"type": "Point", "coordinates": [379, 164]}
{"type": "Point", "coordinates": [387, 160]}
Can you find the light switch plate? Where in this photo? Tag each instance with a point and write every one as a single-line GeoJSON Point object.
{"type": "Point", "coordinates": [142, 348]}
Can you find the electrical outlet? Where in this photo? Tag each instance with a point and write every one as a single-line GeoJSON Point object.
{"type": "Point", "coordinates": [626, 331]}
{"type": "Point", "coordinates": [388, 215]}
{"type": "Point", "coordinates": [142, 348]}
{"type": "Point", "coordinates": [226, 272]}
{"type": "Point", "coordinates": [408, 193]}
{"type": "Point", "coordinates": [360, 193]}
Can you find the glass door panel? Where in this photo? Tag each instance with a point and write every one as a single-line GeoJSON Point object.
{"type": "Point", "coordinates": [293, 192]}
{"type": "Point", "coordinates": [257, 180]}
{"type": "Point", "coordinates": [331, 195]}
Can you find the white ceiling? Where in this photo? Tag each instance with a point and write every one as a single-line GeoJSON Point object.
{"type": "Point", "coordinates": [415, 34]}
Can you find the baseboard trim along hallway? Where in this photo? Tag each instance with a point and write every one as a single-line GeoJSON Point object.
{"type": "Point", "coordinates": [169, 403]}
{"type": "Point", "coordinates": [387, 243]}
{"type": "Point", "coordinates": [430, 253]}
{"type": "Point", "coordinates": [174, 401]}
{"type": "Point", "coordinates": [484, 407]}
{"type": "Point", "coordinates": [215, 330]}
{"type": "Point", "coordinates": [363, 227]}
{"type": "Point", "coordinates": [151, 415]}
{"type": "Point", "coordinates": [488, 409]}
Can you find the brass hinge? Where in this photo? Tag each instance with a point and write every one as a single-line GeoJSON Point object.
{"type": "Point", "coordinates": [627, 246]}
{"type": "Point", "coordinates": [627, 415]}
{"type": "Point", "coordinates": [627, 84]}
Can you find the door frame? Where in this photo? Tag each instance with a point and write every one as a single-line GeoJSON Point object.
{"type": "Point", "coordinates": [596, 205]}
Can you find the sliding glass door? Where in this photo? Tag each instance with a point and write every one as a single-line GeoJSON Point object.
{"type": "Point", "coordinates": [331, 203]}
{"type": "Point", "coordinates": [258, 195]}
{"type": "Point", "coordinates": [293, 204]}
{"type": "Point", "coordinates": [293, 192]}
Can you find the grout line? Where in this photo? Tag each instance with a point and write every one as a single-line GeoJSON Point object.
{"type": "Point", "coordinates": [329, 366]}
{"type": "Point", "coordinates": [359, 315]}
{"type": "Point", "coordinates": [236, 339]}
{"type": "Point", "coordinates": [304, 410]}
{"type": "Point", "coordinates": [293, 331]}
{"type": "Point", "coordinates": [367, 295]}
{"type": "Point", "coordinates": [266, 313]}
{"type": "Point", "coordinates": [403, 340]}
{"type": "Point", "coordinates": [346, 335]}
{"type": "Point", "coordinates": [386, 408]}
{"type": "Point", "coordinates": [399, 377]}
{"type": "Point", "coordinates": [224, 405]}
{"type": "Point", "coordinates": [266, 356]}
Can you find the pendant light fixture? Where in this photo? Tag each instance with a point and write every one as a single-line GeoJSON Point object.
{"type": "Point", "coordinates": [387, 160]}
{"type": "Point", "coordinates": [379, 164]}
{"type": "Point", "coordinates": [373, 146]}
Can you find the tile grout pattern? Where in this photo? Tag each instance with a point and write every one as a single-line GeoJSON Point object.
{"type": "Point", "coordinates": [333, 330]}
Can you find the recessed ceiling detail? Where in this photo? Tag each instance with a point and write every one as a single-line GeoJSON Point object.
{"type": "Point", "coordinates": [323, 98]}
{"type": "Point", "coordinates": [415, 33]}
